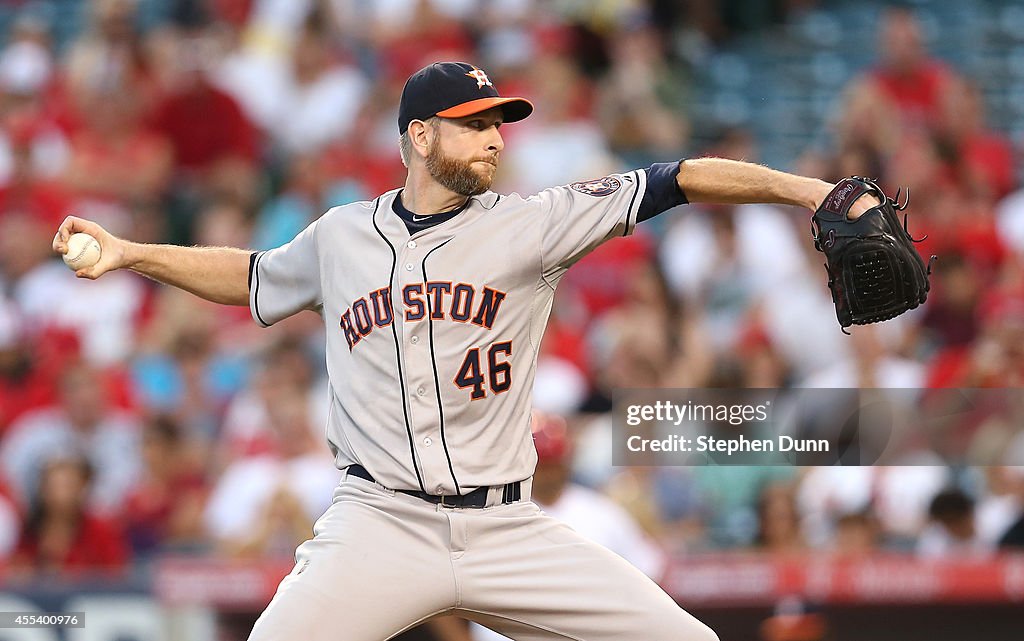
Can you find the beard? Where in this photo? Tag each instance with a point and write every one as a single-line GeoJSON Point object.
{"type": "Point", "coordinates": [455, 175]}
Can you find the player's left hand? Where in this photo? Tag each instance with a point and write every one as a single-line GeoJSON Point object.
{"type": "Point", "coordinates": [861, 205]}
{"type": "Point", "coordinates": [874, 271]}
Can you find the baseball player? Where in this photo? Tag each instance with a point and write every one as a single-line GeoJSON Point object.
{"type": "Point", "coordinates": [435, 298]}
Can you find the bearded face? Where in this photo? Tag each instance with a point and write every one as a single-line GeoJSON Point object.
{"type": "Point", "coordinates": [464, 177]}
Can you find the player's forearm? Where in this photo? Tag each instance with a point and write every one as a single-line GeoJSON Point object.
{"type": "Point", "coordinates": [717, 180]}
{"type": "Point", "coordinates": [218, 274]}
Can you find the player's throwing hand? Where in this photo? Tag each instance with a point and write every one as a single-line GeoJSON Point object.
{"type": "Point", "coordinates": [112, 249]}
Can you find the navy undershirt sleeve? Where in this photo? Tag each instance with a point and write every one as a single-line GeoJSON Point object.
{"type": "Point", "coordinates": [252, 265]}
{"type": "Point", "coordinates": [663, 193]}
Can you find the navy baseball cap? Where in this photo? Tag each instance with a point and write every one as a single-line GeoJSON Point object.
{"type": "Point", "coordinates": [454, 90]}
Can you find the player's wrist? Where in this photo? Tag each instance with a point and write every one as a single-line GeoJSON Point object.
{"type": "Point", "coordinates": [812, 193]}
{"type": "Point", "coordinates": [131, 254]}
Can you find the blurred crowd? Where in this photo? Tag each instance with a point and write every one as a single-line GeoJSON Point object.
{"type": "Point", "coordinates": [136, 420]}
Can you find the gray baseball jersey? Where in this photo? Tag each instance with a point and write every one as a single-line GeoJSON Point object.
{"type": "Point", "coordinates": [432, 338]}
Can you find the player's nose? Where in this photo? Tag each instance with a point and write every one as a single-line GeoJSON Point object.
{"type": "Point", "coordinates": [495, 142]}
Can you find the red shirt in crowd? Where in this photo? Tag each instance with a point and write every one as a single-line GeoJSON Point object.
{"type": "Point", "coordinates": [151, 509]}
{"type": "Point", "coordinates": [991, 158]}
{"type": "Point", "coordinates": [602, 278]}
{"type": "Point", "coordinates": [919, 94]}
{"type": "Point", "coordinates": [23, 392]}
{"type": "Point", "coordinates": [97, 544]}
{"type": "Point", "coordinates": [205, 125]}
{"type": "Point", "coordinates": [47, 202]}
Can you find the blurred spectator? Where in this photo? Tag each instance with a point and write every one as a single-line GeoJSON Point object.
{"type": "Point", "coordinates": [216, 148]}
{"type": "Point", "coordinates": [825, 495]}
{"type": "Point", "coordinates": [1010, 222]}
{"type": "Point", "coordinates": [605, 282]}
{"type": "Point", "coordinates": [286, 367]}
{"type": "Point", "coordinates": [190, 381]}
{"type": "Point", "coordinates": [641, 99]}
{"type": "Point", "coordinates": [185, 364]}
{"type": "Point", "coordinates": [62, 534]}
{"type": "Point", "coordinates": [761, 363]}
{"type": "Point", "coordinates": [730, 261]}
{"type": "Point", "coordinates": [266, 505]}
{"type": "Point", "coordinates": [26, 63]}
{"type": "Point", "coordinates": [586, 511]}
{"type": "Point", "coordinates": [561, 144]}
{"type": "Point", "coordinates": [994, 358]}
{"type": "Point", "coordinates": [980, 160]}
{"type": "Point", "coordinates": [561, 385]}
{"type": "Point", "coordinates": [1001, 503]}
{"type": "Point", "coordinates": [856, 534]}
{"type": "Point", "coordinates": [23, 255]}
{"type": "Point", "coordinates": [310, 188]}
{"type": "Point", "coordinates": [321, 97]}
{"type": "Point", "coordinates": [362, 164]}
{"type": "Point", "coordinates": [303, 95]}
{"type": "Point", "coordinates": [778, 520]}
{"type": "Point", "coordinates": [731, 497]}
{"type": "Point", "coordinates": [10, 525]}
{"type": "Point", "coordinates": [903, 495]}
{"type": "Point", "coordinates": [906, 80]}
{"type": "Point", "coordinates": [83, 421]}
{"type": "Point", "coordinates": [633, 343]}
{"type": "Point", "coordinates": [101, 314]}
{"type": "Point", "coordinates": [204, 124]}
{"type": "Point", "coordinates": [406, 35]}
{"type": "Point", "coordinates": [1013, 538]}
{"type": "Point", "coordinates": [951, 530]}
{"type": "Point", "coordinates": [25, 187]}
{"type": "Point", "coordinates": [873, 364]}
{"type": "Point", "coordinates": [164, 510]}
{"type": "Point", "coordinates": [110, 55]}
{"type": "Point", "coordinates": [33, 145]}
{"type": "Point", "coordinates": [897, 496]}
{"type": "Point", "coordinates": [951, 317]}
{"type": "Point", "coordinates": [25, 380]}
{"type": "Point", "coordinates": [115, 158]}
{"type": "Point", "coordinates": [643, 339]}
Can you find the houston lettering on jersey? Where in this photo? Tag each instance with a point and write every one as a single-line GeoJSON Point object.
{"type": "Point", "coordinates": [440, 299]}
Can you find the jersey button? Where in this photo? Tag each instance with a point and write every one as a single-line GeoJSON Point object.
{"type": "Point", "coordinates": [421, 391]}
{"type": "Point", "coordinates": [411, 244]}
{"type": "Point", "coordinates": [414, 340]}
{"type": "Point", "coordinates": [439, 489]}
{"type": "Point", "coordinates": [408, 267]}
{"type": "Point", "coordinates": [428, 441]}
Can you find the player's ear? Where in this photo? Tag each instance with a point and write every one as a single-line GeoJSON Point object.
{"type": "Point", "coordinates": [420, 135]}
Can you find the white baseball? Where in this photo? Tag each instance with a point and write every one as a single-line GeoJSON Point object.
{"type": "Point", "coordinates": [83, 251]}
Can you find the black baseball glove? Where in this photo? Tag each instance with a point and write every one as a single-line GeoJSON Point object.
{"type": "Point", "coordinates": [874, 271]}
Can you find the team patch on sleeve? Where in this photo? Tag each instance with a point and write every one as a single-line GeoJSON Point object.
{"type": "Point", "coordinates": [598, 187]}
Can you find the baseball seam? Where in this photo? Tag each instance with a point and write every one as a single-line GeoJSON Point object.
{"type": "Point", "coordinates": [81, 252]}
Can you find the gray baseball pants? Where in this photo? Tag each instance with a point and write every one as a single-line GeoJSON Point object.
{"type": "Point", "coordinates": [381, 562]}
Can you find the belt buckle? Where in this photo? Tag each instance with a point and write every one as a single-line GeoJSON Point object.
{"type": "Point", "coordinates": [444, 502]}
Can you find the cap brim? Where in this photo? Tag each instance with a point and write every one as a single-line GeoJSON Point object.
{"type": "Point", "coordinates": [513, 108]}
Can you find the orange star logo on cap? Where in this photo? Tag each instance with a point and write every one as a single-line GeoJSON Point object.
{"type": "Point", "coordinates": [481, 78]}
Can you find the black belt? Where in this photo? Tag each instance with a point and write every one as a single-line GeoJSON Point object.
{"type": "Point", "coordinates": [511, 492]}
